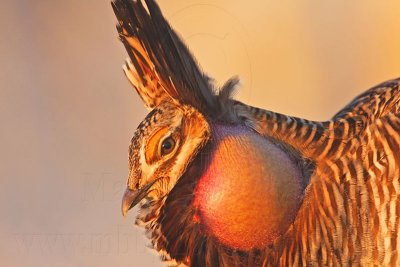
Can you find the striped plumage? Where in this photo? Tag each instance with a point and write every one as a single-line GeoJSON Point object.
{"type": "Point", "coordinates": [352, 216]}
{"type": "Point", "coordinates": [349, 211]}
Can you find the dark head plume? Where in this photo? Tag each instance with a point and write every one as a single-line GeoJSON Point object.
{"type": "Point", "coordinates": [160, 66]}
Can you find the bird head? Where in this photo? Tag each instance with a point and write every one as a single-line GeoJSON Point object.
{"type": "Point", "coordinates": [178, 94]}
{"type": "Point", "coordinates": [161, 149]}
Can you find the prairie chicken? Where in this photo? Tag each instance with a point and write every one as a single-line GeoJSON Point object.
{"type": "Point", "coordinates": [221, 183]}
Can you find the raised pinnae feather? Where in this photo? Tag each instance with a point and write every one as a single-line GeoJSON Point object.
{"type": "Point", "coordinates": [160, 65]}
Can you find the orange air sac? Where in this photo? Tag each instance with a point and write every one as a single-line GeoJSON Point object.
{"type": "Point", "coordinates": [250, 192]}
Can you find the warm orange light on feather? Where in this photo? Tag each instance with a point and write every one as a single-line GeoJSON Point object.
{"type": "Point", "coordinates": [251, 191]}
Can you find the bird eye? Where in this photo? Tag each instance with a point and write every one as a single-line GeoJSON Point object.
{"type": "Point", "coordinates": [167, 146]}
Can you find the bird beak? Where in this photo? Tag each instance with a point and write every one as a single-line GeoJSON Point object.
{"type": "Point", "coordinates": [133, 196]}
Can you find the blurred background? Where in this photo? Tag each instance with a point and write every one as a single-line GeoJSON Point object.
{"type": "Point", "coordinates": [67, 113]}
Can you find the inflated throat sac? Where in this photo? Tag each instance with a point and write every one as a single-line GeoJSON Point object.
{"type": "Point", "coordinates": [250, 192]}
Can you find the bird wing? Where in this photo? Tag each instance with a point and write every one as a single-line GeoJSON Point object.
{"type": "Point", "coordinates": [160, 66]}
{"type": "Point", "coordinates": [376, 102]}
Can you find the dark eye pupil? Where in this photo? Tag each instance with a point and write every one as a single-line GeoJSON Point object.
{"type": "Point", "coordinates": [167, 146]}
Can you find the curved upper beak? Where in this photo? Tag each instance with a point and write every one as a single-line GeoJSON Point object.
{"type": "Point", "coordinates": [132, 197]}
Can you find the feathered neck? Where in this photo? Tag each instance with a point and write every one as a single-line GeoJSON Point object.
{"type": "Point", "coordinates": [175, 223]}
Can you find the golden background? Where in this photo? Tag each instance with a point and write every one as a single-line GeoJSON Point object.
{"type": "Point", "coordinates": [67, 113]}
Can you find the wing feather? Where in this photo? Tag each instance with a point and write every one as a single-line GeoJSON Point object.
{"type": "Point", "coordinates": [374, 103]}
